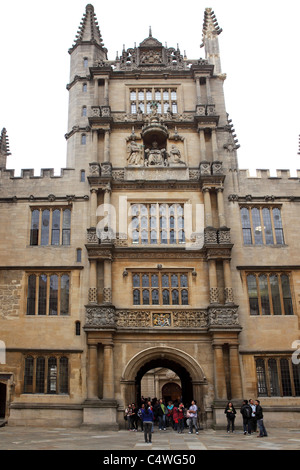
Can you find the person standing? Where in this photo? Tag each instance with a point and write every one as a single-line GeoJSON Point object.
{"type": "Point", "coordinates": [260, 420]}
{"type": "Point", "coordinates": [180, 412]}
{"type": "Point", "coordinates": [253, 421]}
{"type": "Point", "coordinates": [192, 415]}
{"type": "Point", "coordinates": [246, 412]}
{"type": "Point", "coordinates": [230, 415]}
{"type": "Point", "coordinates": [147, 417]}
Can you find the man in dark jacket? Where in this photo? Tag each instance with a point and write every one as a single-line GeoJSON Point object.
{"type": "Point", "coordinates": [246, 412]}
{"type": "Point", "coordinates": [260, 419]}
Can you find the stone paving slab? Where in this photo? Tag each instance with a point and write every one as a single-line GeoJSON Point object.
{"type": "Point", "coordinates": [28, 438]}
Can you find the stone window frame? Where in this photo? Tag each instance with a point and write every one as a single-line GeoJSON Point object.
{"type": "Point", "coordinates": [170, 224]}
{"type": "Point", "coordinates": [36, 234]}
{"type": "Point", "coordinates": [277, 376]}
{"type": "Point", "coordinates": [141, 98]}
{"type": "Point", "coordinates": [252, 237]}
{"type": "Point", "coordinates": [39, 380]}
{"type": "Point", "coordinates": [39, 300]}
{"type": "Point", "coordinates": [160, 288]}
{"type": "Point", "coordinates": [276, 302]}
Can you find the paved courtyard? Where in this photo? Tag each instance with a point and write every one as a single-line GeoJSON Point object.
{"type": "Point", "coordinates": [27, 438]}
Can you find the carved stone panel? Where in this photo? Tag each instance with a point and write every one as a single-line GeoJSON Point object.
{"type": "Point", "coordinates": [223, 317]}
{"type": "Point", "coordinates": [100, 317]}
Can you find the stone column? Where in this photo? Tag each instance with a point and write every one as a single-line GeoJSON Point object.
{"type": "Point", "coordinates": [202, 145]}
{"type": "Point", "coordinates": [235, 372]}
{"type": "Point", "coordinates": [92, 381]}
{"type": "Point", "coordinates": [198, 90]}
{"type": "Point", "coordinates": [93, 297]}
{"type": "Point", "coordinates": [228, 291]}
{"type": "Point", "coordinates": [93, 208]}
{"type": "Point", "coordinates": [96, 92]}
{"type": "Point", "coordinates": [107, 146]}
{"type": "Point", "coordinates": [219, 373]}
{"type": "Point", "coordinates": [207, 207]}
{"type": "Point", "coordinates": [213, 283]}
{"type": "Point", "coordinates": [107, 290]}
{"type": "Point", "coordinates": [95, 145]}
{"type": "Point", "coordinates": [214, 144]}
{"type": "Point", "coordinates": [221, 211]}
{"type": "Point", "coordinates": [108, 372]}
{"type": "Point", "coordinates": [106, 96]}
{"type": "Point", "coordinates": [208, 91]}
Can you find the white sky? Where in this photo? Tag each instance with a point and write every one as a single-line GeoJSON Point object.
{"type": "Point", "coordinates": [260, 54]}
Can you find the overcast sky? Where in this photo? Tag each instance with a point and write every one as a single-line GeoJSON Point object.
{"type": "Point", "coordinates": [260, 54]}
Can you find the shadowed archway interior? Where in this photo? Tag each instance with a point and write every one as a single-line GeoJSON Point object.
{"type": "Point", "coordinates": [185, 378]}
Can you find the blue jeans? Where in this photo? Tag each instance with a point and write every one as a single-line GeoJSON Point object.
{"type": "Point", "coordinates": [193, 422]}
{"type": "Point", "coordinates": [262, 429]}
{"type": "Point", "coordinates": [162, 422]}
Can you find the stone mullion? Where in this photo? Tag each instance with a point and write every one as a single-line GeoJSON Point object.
{"type": "Point", "coordinates": [252, 226]}
{"type": "Point", "coordinates": [37, 281]}
{"type": "Point", "coordinates": [50, 225]}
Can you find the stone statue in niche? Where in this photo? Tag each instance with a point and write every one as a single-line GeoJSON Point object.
{"type": "Point", "coordinates": [175, 155]}
{"type": "Point", "coordinates": [135, 156]}
{"type": "Point", "coordinates": [155, 156]}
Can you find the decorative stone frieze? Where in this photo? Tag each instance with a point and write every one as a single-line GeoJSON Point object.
{"type": "Point", "coordinates": [221, 317]}
{"type": "Point", "coordinates": [228, 294]}
{"type": "Point", "coordinates": [93, 295]}
{"type": "Point", "coordinates": [210, 235]}
{"type": "Point", "coordinates": [92, 236]}
{"type": "Point", "coordinates": [214, 295]}
{"type": "Point", "coordinates": [99, 317]}
{"type": "Point", "coordinates": [94, 168]}
{"type": "Point", "coordinates": [107, 295]}
{"type": "Point", "coordinates": [175, 319]}
{"type": "Point", "coordinates": [224, 236]}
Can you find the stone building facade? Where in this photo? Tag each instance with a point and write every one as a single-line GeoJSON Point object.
{"type": "Point", "coordinates": [151, 250]}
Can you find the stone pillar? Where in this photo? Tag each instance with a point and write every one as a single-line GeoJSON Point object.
{"type": "Point", "coordinates": [219, 373]}
{"type": "Point", "coordinates": [93, 297]}
{"type": "Point", "coordinates": [92, 381]}
{"type": "Point", "coordinates": [107, 290]}
{"type": "Point", "coordinates": [107, 146]}
{"type": "Point", "coordinates": [213, 283]}
{"type": "Point", "coordinates": [96, 92]}
{"type": "Point", "coordinates": [202, 145]}
{"type": "Point", "coordinates": [208, 91]}
{"type": "Point", "coordinates": [221, 211]}
{"type": "Point", "coordinates": [95, 145]}
{"type": "Point", "coordinates": [93, 208]}
{"type": "Point", "coordinates": [108, 372]}
{"type": "Point", "coordinates": [198, 90]}
{"type": "Point", "coordinates": [235, 372]}
{"type": "Point", "coordinates": [228, 291]}
{"type": "Point", "coordinates": [207, 207]}
{"type": "Point", "coordinates": [106, 96]}
{"type": "Point", "coordinates": [214, 144]}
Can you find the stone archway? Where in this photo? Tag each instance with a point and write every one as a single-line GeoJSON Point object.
{"type": "Point", "coordinates": [186, 367]}
{"type": "Point", "coordinates": [3, 391]}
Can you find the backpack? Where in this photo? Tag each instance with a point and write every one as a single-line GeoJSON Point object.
{"type": "Point", "coordinates": [247, 412]}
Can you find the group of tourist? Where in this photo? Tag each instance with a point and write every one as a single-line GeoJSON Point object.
{"type": "Point", "coordinates": [252, 414]}
{"type": "Point", "coordinates": [174, 415]}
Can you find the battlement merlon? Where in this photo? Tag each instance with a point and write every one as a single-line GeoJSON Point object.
{"type": "Point", "coordinates": [266, 173]}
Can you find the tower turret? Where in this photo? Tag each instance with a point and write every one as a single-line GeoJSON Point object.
{"type": "Point", "coordinates": [87, 50]}
{"type": "Point", "coordinates": [4, 148]}
{"type": "Point", "coordinates": [210, 41]}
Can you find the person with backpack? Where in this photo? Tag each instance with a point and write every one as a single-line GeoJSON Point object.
{"type": "Point", "coordinates": [246, 412]}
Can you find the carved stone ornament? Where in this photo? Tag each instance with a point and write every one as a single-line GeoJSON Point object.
{"type": "Point", "coordinates": [205, 168]}
{"type": "Point", "coordinates": [92, 236]}
{"type": "Point", "coordinates": [217, 168]}
{"type": "Point", "coordinates": [94, 169]}
{"type": "Point", "coordinates": [210, 235]}
{"type": "Point", "coordinates": [106, 169]}
{"type": "Point", "coordinates": [224, 236]}
{"type": "Point", "coordinates": [100, 317]}
{"type": "Point", "coordinates": [233, 197]}
{"type": "Point", "coordinates": [223, 317]}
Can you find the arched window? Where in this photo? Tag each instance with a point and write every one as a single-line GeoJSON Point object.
{"type": "Point", "coordinates": [84, 111]}
{"type": "Point", "coordinates": [83, 139]}
{"type": "Point", "coordinates": [77, 328]}
{"type": "Point", "coordinates": [85, 62]}
{"type": "Point", "coordinates": [84, 87]}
